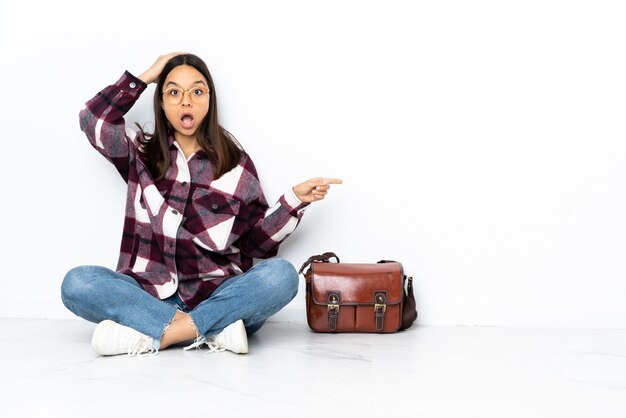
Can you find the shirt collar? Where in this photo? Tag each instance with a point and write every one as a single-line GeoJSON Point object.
{"type": "Point", "coordinates": [174, 145]}
{"type": "Point", "coordinates": [171, 141]}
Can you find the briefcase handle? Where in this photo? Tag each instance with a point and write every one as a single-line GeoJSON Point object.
{"type": "Point", "coordinates": [320, 257]}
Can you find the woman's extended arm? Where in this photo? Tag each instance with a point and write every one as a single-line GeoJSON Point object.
{"type": "Point", "coordinates": [269, 226]}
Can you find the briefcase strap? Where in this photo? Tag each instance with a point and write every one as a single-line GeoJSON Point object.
{"type": "Point", "coordinates": [333, 301]}
{"type": "Point", "coordinates": [380, 307]}
{"type": "Point", "coordinates": [320, 257]}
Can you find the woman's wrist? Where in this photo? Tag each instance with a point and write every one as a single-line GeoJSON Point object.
{"type": "Point", "coordinates": [146, 78]}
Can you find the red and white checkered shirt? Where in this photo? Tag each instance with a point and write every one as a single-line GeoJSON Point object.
{"type": "Point", "coordinates": [188, 232]}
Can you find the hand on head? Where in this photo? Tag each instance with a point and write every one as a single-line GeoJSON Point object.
{"type": "Point", "coordinates": [151, 75]}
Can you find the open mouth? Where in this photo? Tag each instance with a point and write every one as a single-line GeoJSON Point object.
{"type": "Point", "coordinates": [186, 121]}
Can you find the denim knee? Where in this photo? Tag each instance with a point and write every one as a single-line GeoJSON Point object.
{"type": "Point", "coordinates": [77, 283]}
{"type": "Point", "coordinates": [74, 284]}
{"type": "Point", "coordinates": [283, 278]}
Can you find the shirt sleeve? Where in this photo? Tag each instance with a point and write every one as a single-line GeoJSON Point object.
{"type": "Point", "coordinates": [102, 120]}
{"type": "Point", "coordinates": [267, 226]}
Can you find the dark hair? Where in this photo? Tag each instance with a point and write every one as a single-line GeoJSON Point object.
{"type": "Point", "coordinates": [220, 146]}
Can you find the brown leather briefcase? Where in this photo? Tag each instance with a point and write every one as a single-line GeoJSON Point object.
{"type": "Point", "coordinates": [344, 297]}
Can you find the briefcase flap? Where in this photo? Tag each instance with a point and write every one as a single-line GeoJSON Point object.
{"type": "Point", "coordinates": [356, 283]}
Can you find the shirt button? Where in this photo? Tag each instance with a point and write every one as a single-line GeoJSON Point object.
{"type": "Point", "coordinates": [214, 206]}
{"type": "Point", "coordinates": [132, 84]}
{"type": "Point", "coordinates": [184, 183]}
{"type": "Point", "coordinates": [174, 211]}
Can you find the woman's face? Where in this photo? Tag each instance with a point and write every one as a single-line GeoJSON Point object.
{"type": "Point", "coordinates": [185, 99]}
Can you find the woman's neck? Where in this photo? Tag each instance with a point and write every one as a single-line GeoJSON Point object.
{"type": "Point", "coordinates": [189, 144]}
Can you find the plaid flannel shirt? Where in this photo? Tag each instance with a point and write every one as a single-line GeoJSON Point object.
{"type": "Point", "coordinates": [188, 232]}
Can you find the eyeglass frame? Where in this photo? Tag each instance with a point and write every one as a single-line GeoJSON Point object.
{"type": "Point", "coordinates": [188, 91]}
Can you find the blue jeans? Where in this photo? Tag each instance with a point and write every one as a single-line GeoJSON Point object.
{"type": "Point", "coordinates": [98, 293]}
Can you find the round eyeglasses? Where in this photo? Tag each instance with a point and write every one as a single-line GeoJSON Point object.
{"type": "Point", "coordinates": [174, 95]}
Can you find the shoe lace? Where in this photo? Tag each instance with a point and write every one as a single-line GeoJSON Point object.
{"type": "Point", "coordinates": [210, 343]}
{"type": "Point", "coordinates": [213, 348]}
{"type": "Point", "coordinates": [142, 347]}
{"type": "Point", "coordinates": [196, 344]}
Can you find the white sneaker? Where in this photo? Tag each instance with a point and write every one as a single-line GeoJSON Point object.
{"type": "Point", "coordinates": [232, 338]}
{"type": "Point", "coordinates": [111, 338]}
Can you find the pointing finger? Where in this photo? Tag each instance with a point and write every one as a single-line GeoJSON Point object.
{"type": "Point", "coordinates": [331, 181]}
{"type": "Point", "coordinates": [324, 180]}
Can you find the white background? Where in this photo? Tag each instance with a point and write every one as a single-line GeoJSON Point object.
{"type": "Point", "coordinates": [481, 143]}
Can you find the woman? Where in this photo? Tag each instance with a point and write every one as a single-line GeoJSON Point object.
{"type": "Point", "coordinates": [196, 216]}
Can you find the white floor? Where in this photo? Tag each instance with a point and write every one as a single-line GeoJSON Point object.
{"type": "Point", "coordinates": [47, 369]}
